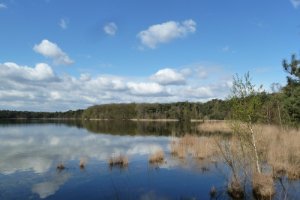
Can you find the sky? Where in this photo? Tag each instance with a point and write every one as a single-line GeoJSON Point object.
{"type": "Point", "coordinates": [57, 55]}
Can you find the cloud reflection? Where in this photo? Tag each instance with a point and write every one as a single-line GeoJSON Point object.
{"type": "Point", "coordinates": [37, 148]}
{"type": "Point", "coordinates": [48, 188]}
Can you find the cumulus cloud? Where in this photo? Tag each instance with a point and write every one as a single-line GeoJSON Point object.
{"type": "Point", "coordinates": [41, 72]}
{"type": "Point", "coordinates": [168, 76]}
{"type": "Point", "coordinates": [2, 6]}
{"type": "Point", "coordinates": [52, 50]}
{"type": "Point", "coordinates": [63, 23]}
{"type": "Point", "coordinates": [39, 88]}
{"type": "Point", "coordinates": [110, 28]}
{"type": "Point", "coordinates": [166, 32]}
{"type": "Point", "coordinates": [295, 3]}
{"type": "Point", "coordinates": [146, 89]}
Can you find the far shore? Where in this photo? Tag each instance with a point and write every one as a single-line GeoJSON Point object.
{"type": "Point", "coordinates": [99, 119]}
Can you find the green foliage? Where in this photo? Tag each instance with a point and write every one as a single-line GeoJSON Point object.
{"type": "Point", "coordinates": [246, 100]}
{"type": "Point", "coordinates": [7, 114]}
{"type": "Point", "coordinates": [183, 111]}
{"type": "Point", "coordinates": [293, 69]}
{"type": "Point", "coordinates": [291, 91]}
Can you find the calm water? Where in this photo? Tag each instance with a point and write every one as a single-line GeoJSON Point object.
{"type": "Point", "coordinates": [30, 152]}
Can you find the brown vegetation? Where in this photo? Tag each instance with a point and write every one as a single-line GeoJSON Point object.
{"type": "Point", "coordinates": [213, 126]}
{"type": "Point", "coordinates": [235, 190]}
{"type": "Point", "coordinates": [178, 150]}
{"type": "Point", "coordinates": [281, 150]}
{"type": "Point", "coordinates": [82, 163]}
{"type": "Point", "coordinates": [263, 186]}
{"type": "Point", "coordinates": [277, 148]}
{"type": "Point", "coordinates": [121, 161]}
{"type": "Point", "coordinates": [60, 166]}
{"type": "Point", "coordinates": [157, 157]}
{"type": "Point", "coordinates": [197, 147]}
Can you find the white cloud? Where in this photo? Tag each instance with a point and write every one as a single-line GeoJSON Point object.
{"type": "Point", "coordinates": [146, 89]}
{"type": "Point", "coordinates": [52, 50]}
{"type": "Point", "coordinates": [165, 32]}
{"type": "Point", "coordinates": [63, 23]}
{"type": "Point", "coordinates": [168, 76]}
{"type": "Point", "coordinates": [110, 28]}
{"type": "Point", "coordinates": [295, 3]}
{"type": "Point", "coordinates": [39, 88]}
{"type": "Point", "coordinates": [41, 72]}
{"type": "Point", "coordinates": [2, 6]}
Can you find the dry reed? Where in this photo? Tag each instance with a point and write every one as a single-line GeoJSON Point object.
{"type": "Point", "coordinates": [120, 161]}
{"type": "Point", "coordinates": [60, 166]}
{"type": "Point", "coordinates": [263, 186]}
{"type": "Point", "coordinates": [197, 147]}
{"type": "Point", "coordinates": [281, 150]}
{"type": "Point", "coordinates": [82, 163]}
{"type": "Point", "coordinates": [157, 157]}
{"type": "Point", "coordinates": [235, 190]}
{"type": "Point", "coordinates": [213, 126]}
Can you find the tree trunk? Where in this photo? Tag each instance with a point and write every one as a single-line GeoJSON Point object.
{"type": "Point", "coordinates": [255, 149]}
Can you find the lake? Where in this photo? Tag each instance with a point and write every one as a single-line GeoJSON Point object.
{"type": "Point", "coordinates": [32, 150]}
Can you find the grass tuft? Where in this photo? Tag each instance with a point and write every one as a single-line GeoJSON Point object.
{"type": "Point", "coordinates": [82, 163]}
{"type": "Point", "coordinates": [263, 186]}
{"type": "Point", "coordinates": [120, 161]}
{"type": "Point", "coordinates": [60, 166]}
{"type": "Point", "coordinates": [235, 190]}
{"type": "Point", "coordinates": [157, 157]}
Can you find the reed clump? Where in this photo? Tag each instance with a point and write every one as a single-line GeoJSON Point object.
{"type": "Point", "coordinates": [197, 147]}
{"type": "Point", "coordinates": [263, 186]}
{"type": "Point", "coordinates": [82, 164]}
{"type": "Point", "coordinates": [157, 157]}
{"type": "Point", "coordinates": [120, 161]}
{"type": "Point", "coordinates": [280, 149]}
{"type": "Point", "coordinates": [178, 149]}
{"type": "Point", "coordinates": [213, 126]}
{"type": "Point", "coordinates": [60, 166]}
{"type": "Point", "coordinates": [235, 190]}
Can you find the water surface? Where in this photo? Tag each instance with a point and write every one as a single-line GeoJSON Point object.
{"type": "Point", "coordinates": [31, 151]}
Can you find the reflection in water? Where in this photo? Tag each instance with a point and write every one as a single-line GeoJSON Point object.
{"type": "Point", "coordinates": [116, 127]}
{"type": "Point", "coordinates": [38, 148]}
{"type": "Point", "coordinates": [47, 188]}
{"type": "Point", "coordinates": [31, 151]}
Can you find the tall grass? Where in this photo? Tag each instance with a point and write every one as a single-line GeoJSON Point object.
{"type": "Point", "coordinates": [277, 148]}
{"type": "Point", "coordinates": [281, 150]}
{"type": "Point", "coordinates": [197, 147]}
{"type": "Point", "coordinates": [213, 126]}
{"type": "Point", "coordinates": [278, 153]}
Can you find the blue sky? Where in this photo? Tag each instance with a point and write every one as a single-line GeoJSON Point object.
{"type": "Point", "coordinates": [63, 54]}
